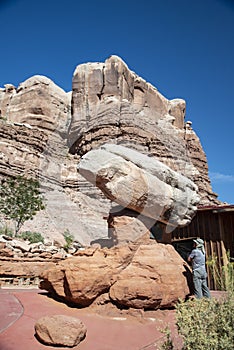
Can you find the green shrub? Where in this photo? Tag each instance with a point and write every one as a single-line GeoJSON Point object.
{"type": "Point", "coordinates": [6, 231]}
{"type": "Point", "coordinates": [69, 238]}
{"type": "Point", "coordinates": [206, 324]}
{"type": "Point", "coordinates": [32, 237]}
{"type": "Point", "coordinates": [168, 344]}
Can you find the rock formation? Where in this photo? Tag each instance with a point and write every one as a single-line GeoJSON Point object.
{"type": "Point", "coordinates": [111, 104]}
{"type": "Point", "coordinates": [147, 276]}
{"type": "Point", "coordinates": [44, 132]}
{"type": "Point", "coordinates": [33, 128]}
{"type": "Point", "coordinates": [141, 183]}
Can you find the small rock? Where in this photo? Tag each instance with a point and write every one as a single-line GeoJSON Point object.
{"type": "Point", "coordinates": [23, 246]}
{"type": "Point", "coordinates": [46, 255]}
{"type": "Point", "coordinates": [7, 252]}
{"type": "Point", "coordinates": [36, 250]}
{"type": "Point", "coordinates": [60, 330]}
{"type": "Point", "coordinates": [37, 246]}
{"type": "Point", "coordinates": [5, 238]}
{"type": "Point", "coordinates": [59, 255]}
{"type": "Point", "coordinates": [71, 250]}
{"type": "Point", "coordinates": [48, 242]}
{"type": "Point", "coordinates": [2, 245]}
{"type": "Point", "coordinates": [52, 249]}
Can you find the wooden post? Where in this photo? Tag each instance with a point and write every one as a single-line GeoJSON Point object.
{"type": "Point", "coordinates": [224, 260]}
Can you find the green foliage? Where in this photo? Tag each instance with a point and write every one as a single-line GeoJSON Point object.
{"type": "Point", "coordinates": [69, 238]}
{"type": "Point", "coordinates": [6, 231]}
{"type": "Point", "coordinates": [168, 344]}
{"type": "Point", "coordinates": [206, 324]}
{"type": "Point", "coordinates": [20, 199]}
{"type": "Point", "coordinates": [32, 237]}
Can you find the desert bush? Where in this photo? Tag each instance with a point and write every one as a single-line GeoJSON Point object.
{"type": "Point", "coordinates": [206, 324]}
{"type": "Point", "coordinates": [32, 237]}
{"type": "Point", "coordinates": [5, 230]}
{"type": "Point", "coordinates": [168, 343]}
{"type": "Point", "coordinates": [69, 238]}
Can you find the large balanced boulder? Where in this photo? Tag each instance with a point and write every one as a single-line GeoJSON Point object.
{"type": "Point", "coordinates": [141, 183]}
{"type": "Point", "coordinates": [146, 276]}
{"type": "Point", "coordinates": [60, 330]}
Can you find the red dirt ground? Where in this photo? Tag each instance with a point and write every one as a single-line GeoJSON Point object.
{"type": "Point", "coordinates": [107, 328]}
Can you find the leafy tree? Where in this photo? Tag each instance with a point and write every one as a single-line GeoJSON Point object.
{"type": "Point", "coordinates": [20, 200]}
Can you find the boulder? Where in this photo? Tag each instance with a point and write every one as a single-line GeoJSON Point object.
{"type": "Point", "coordinates": [19, 244]}
{"type": "Point", "coordinates": [82, 278]}
{"type": "Point", "coordinates": [148, 276]}
{"type": "Point", "coordinates": [60, 330]}
{"type": "Point", "coordinates": [141, 183]}
{"type": "Point", "coordinates": [156, 278]}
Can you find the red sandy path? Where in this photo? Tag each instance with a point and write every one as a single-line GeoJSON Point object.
{"type": "Point", "coordinates": [103, 332]}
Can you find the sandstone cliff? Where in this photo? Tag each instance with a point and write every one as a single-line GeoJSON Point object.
{"type": "Point", "coordinates": [44, 132]}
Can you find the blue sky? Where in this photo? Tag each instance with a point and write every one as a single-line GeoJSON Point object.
{"type": "Point", "coordinates": [183, 47]}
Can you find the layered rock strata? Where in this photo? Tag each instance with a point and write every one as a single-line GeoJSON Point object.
{"type": "Point", "coordinates": [111, 104]}
{"type": "Point", "coordinates": [39, 126]}
{"type": "Point", "coordinates": [34, 120]}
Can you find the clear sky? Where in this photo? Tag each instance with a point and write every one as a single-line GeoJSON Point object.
{"type": "Point", "coordinates": [185, 48]}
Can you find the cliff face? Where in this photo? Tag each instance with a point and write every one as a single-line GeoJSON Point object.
{"type": "Point", "coordinates": [33, 128]}
{"type": "Point", "coordinates": [111, 104]}
{"type": "Point", "coordinates": [44, 132]}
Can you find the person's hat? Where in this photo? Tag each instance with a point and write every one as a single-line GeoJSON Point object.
{"type": "Point", "coordinates": [198, 241]}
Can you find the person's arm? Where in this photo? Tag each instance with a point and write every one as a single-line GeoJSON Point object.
{"type": "Point", "coordinates": [191, 256]}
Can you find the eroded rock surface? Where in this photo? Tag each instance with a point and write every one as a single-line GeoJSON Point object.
{"type": "Point", "coordinates": [141, 183]}
{"type": "Point", "coordinates": [112, 104]}
{"type": "Point", "coordinates": [34, 120]}
{"type": "Point", "coordinates": [39, 126]}
{"type": "Point", "coordinates": [139, 276]}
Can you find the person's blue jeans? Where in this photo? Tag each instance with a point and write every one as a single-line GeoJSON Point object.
{"type": "Point", "coordinates": [200, 285]}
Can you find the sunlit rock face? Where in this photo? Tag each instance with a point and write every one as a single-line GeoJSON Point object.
{"type": "Point", "coordinates": [38, 102]}
{"type": "Point", "coordinates": [145, 276]}
{"type": "Point", "coordinates": [45, 130]}
{"type": "Point", "coordinates": [34, 120]}
{"type": "Point", "coordinates": [112, 104]}
{"type": "Point", "coordinates": [141, 183]}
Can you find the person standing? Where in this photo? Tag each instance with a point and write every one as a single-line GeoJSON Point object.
{"type": "Point", "coordinates": [198, 259]}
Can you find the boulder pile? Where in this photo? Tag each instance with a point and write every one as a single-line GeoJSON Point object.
{"type": "Point", "coordinates": [145, 276]}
